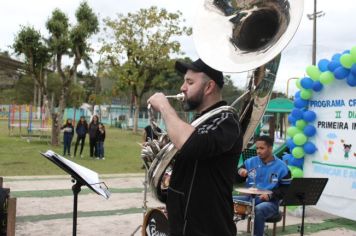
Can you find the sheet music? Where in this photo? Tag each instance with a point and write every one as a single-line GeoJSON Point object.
{"type": "Point", "coordinates": [90, 177]}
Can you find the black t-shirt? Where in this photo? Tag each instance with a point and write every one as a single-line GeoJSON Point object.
{"type": "Point", "coordinates": [206, 166]}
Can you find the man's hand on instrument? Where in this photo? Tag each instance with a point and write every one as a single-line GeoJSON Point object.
{"type": "Point", "coordinates": [158, 101]}
{"type": "Point", "coordinates": [242, 172]}
{"type": "Point", "coordinates": [264, 197]}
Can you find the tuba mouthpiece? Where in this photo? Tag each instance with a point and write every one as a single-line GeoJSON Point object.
{"type": "Point", "coordinates": [179, 97]}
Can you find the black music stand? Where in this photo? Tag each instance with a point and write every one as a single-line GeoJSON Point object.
{"type": "Point", "coordinates": [80, 176]}
{"type": "Point", "coordinates": [304, 191]}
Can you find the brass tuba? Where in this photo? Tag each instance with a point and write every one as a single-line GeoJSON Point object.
{"type": "Point", "coordinates": [241, 35]}
{"type": "Point", "coordinates": [232, 36]}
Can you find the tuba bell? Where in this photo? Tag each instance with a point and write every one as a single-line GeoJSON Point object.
{"type": "Point", "coordinates": [241, 35]}
{"type": "Point", "coordinates": [232, 36]}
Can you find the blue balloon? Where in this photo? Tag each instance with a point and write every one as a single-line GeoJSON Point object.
{"type": "Point", "coordinates": [309, 148]}
{"type": "Point", "coordinates": [307, 83]}
{"type": "Point", "coordinates": [309, 116]}
{"type": "Point", "coordinates": [290, 144]}
{"type": "Point", "coordinates": [351, 80]}
{"type": "Point", "coordinates": [341, 73]}
{"type": "Point", "coordinates": [297, 114]}
{"type": "Point", "coordinates": [297, 162]}
{"type": "Point", "coordinates": [300, 103]}
{"type": "Point", "coordinates": [287, 158]}
{"type": "Point", "coordinates": [317, 86]}
{"type": "Point", "coordinates": [333, 65]}
{"type": "Point", "coordinates": [291, 119]}
{"type": "Point", "coordinates": [336, 57]}
{"type": "Point", "coordinates": [297, 94]}
{"type": "Point", "coordinates": [309, 130]}
{"type": "Point", "coordinates": [346, 52]}
{"type": "Point", "coordinates": [323, 65]}
{"type": "Point", "coordinates": [353, 69]}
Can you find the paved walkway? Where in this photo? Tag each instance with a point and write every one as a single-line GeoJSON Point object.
{"type": "Point", "coordinates": [45, 206]}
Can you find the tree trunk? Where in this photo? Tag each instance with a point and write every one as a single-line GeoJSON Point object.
{"type": "Point", "coordinates": [272, 126]}
{"type": "Point", "coordinates": [39, 97]}
{"type": "Point", "coordinates": [35, 93]}
{"type": "Point", "coordinates": [137, 112]}
{"type": "Point", "coordinates": [57, 118]}
{"type": "Point", "coordinates": [132, 100]}
{"type": "Point", "coordinates": [55, 124]}
{"type": "Point", "coordinates": [99, 107]}
{"type": "Point", "coordinates": [55, 130]}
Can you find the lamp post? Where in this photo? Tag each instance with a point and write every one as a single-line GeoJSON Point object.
{"type": "Point", "coordinates": [313, 17]}
{"type": "Point", "coordinates": [293, 78]}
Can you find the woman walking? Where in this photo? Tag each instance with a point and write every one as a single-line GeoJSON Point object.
{"type": "Point", "coordinates": [81, 130]}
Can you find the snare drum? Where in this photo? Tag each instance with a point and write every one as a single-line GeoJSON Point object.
{"type": "Point", "coordinates": [242, 207]}
{"type": "Point", "coordinates": [155, 222]}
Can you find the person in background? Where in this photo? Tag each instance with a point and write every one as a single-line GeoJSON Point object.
{"type": "Point", "coordinates": [266, 172]}
{"type": "Point", "coordinates": [93, 132]}
{"type": "Point", "coordinates": [81, 130]}
{"type": "Point", "coordinates": [148, 133]}
{"type": "Point", "coordinates": [100, 141]}
{"type": "Point", "coordinates": [68, 132]}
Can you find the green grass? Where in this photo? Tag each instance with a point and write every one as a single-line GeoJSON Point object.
{"type": "Point", "coordinates": [18, 157]}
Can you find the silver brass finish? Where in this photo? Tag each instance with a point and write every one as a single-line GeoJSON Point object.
{"type": "Point", "coordinates": [241, 35]}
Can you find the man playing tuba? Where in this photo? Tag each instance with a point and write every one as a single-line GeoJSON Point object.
{"type": "Point", "coordinates": [199, 199]}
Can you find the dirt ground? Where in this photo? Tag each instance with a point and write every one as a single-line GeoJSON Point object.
{"type": "Point", "coordinates": [45, 207]}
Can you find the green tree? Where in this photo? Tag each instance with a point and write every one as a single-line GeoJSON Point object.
{"type": "Point", "coordinates": [140, 52]}
{"type": "Point", "coordinates": [30, 43]}
{"type": "Point", "coordinates": [72, 42]}
{"type": "Point", "coordinates": [64, 41]}
{"type": "Point", "coordinates": [22, 94]}
{"type": "Point", "coordinates": [230, 92]}
{"type": "Point", "coordinates": [87, 80]}
{"type": "Point", "coordinates": [19, 93]}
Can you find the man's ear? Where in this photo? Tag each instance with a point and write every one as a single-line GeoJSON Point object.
{"type": "Point", "coordinates": [210, 87]}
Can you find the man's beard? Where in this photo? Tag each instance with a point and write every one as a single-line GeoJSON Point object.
{"type": "Point", "coordinates": [194, 102]}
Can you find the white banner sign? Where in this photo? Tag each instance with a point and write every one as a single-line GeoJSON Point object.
{"type": "Point", "coordinates": [335, 108]}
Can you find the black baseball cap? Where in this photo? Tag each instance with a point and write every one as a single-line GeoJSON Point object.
{"type": "Point", "coordinates": [200, 66]}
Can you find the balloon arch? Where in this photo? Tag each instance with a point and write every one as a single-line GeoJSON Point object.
{"type": "Point", "coordinates": [342, 66]}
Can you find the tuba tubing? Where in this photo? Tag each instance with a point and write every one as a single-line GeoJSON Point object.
{"type": "Point", "coordinates": [165, 156]}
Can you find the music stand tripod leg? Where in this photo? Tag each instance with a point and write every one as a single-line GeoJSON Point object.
{"type": "Point", "coordinates": [253, 215]}
{"type": "Point", "coordinates": [303, 215]}
{"type": "Point", "coordinates": [138, 227]}
{"type": "Point", "coordinates": [144, 206]}
{"type": "Point", "coordinates": [76, 189]}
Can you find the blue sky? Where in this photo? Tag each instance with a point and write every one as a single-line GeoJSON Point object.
{"type": "Point", "coordinates": [335, 31]}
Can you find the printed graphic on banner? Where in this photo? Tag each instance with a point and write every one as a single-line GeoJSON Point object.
{"type": "Point", "coordinates": [335, 139]}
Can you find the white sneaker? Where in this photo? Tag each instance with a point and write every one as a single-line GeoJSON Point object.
{"type": "Point", "coordinates": [103, 158]}
{"type": "Point", "coordinates": [97, 158]}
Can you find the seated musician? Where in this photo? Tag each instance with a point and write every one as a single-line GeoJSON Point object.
{"type": "Point", "coordinates": [269, 173]}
